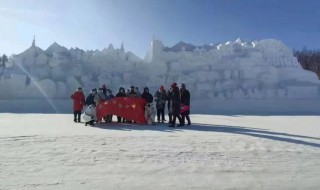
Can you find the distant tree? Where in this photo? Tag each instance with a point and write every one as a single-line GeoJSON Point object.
{"type": "Point", "coordinates": [3, 60]}
{"type": "Point", "coordinates": [309, 59]}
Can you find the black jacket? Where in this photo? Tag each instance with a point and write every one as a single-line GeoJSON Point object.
{"type": "Point", "coordinates": [185, 97]}
{"type": "Point", "coordinates": [90, 100]}
{"type": "Point", "coordinates": [160, 98]}
{"type": "Point", "coordinates": [175, 102]}
{"type": "Point", "coordinates": [120, 94]}
{"type": "Point", "coordinates": [147, 96]}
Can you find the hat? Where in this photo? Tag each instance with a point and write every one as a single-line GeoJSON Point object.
{"type": "Point", "coordinates": [173, 85]}
{"type": "Point", "coordinates": [79, 88]}
{"type": "Point", "coordinates": [146, 89]}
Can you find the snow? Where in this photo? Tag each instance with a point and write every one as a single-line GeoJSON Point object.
{"type": "Point", "coordinates": [49, 151]}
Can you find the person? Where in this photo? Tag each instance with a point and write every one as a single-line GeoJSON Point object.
{"type": "Point", "coordinates": [104, 89]}
{"type": "Point", "coordinates": [121, 93]}
{"type": "Point", "coordinates": [78, 103]}
{"type": "Point", "coordinates": [132, 93]}
{"type": "Point", "coordinates": [185, 100]}
{"type": "Point", "coordinates": [160, 99]}
{"type": "Point", "coordinates": [109, 96]}
{"type": "Point", "coordinates": [149, 113]}
{"type": "Point", "coordinates": [169, 97]}
{"type": "Point", "coordinates": [99, 97]}
{"type": "Point", "coordinates": [138, 94]}
{"type": "Point", "coordinates": [146, 95]}
{"type": "Point", "coordinates": [90, 97]}
{"type": "Point", "coordinates": [89, 115]}
{"type": "Point", "coordinates": [175, 105]}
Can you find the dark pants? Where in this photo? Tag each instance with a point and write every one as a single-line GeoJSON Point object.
{"type": "Point", "coordinates": [170, 117]}
{"type": "Point", "coordinates": [175, 119]}
{"type": "Point", "coordinates": [185, 115]}
{"type": "Point", "coordinates": [108, 118]}
{"type": "Point", "coordinates": [160, 112]}
{"type": "Point", "coordinates": [120, 119]}
{"type": "Point", "coordinates": [90, 123]}
{"type": "Point", "coordinates": [77, 115]}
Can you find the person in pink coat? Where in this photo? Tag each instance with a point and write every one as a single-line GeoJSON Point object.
{"type": "Point", "coordinates": [78, 103]}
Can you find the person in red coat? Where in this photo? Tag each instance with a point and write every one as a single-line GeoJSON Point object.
{"type": "Point", "coordinates": [78, 103]}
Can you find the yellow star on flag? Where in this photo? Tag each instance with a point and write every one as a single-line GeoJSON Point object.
{"type": "Point", "coordinates": [133, 106]}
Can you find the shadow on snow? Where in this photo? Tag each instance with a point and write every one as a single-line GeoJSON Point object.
{"type": "Point", "coordinates": [253, 132]}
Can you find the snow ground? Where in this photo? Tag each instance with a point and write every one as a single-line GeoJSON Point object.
{"type": "Point", "coordinates": [49, 151]}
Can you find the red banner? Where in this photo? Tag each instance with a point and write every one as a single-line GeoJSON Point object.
{"type": "Point", "coordinates": [126, 107]}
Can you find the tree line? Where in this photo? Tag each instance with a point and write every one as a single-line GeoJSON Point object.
{"type": "Point", "coordinates": [309, 59]}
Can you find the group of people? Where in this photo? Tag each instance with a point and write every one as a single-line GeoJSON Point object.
{"type": "Point", "coordinates": [176, 99]}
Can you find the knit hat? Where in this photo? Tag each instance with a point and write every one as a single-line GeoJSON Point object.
{"type": "Point", "coordinates": [173, 85]}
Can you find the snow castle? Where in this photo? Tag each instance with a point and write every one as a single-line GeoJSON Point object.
{"type": "Point", "coordinates": [263, 69]}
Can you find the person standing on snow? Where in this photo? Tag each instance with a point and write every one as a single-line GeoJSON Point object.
{"type": "Point", "coordinates": [175, 105]}
{"type": "Point", "coordinates": [78, 103]}
{"type": "Point", "coordinates": [160, 99]}
{"type": "Point", "coordinates": [169, 99]}
{"type": "Point", "coordinates": [185, 100]}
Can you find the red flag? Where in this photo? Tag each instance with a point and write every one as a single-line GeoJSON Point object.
{"type": "Point", "coordinates": [126, 107]}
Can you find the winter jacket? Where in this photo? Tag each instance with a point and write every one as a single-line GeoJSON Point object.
{"type": "Point", "coordinates": [175, 102]}
{"type": "Point", "coordinates": [132, 94]}
{"type": "Point", "coordinates": [99, 97]}
{"type": "Point", "coordinates": [147, 96]}
{"type": "Point", "coordinates": [110, 96]}
{"type": "Point", "coordinates": [89, 113]}
{"type": "Point", "coordinates": [90, 100]}
{"type": "Point", "coordinates": [185, 97]}
{"type": "Point", "coordinates": [160, 99]}
{"type": "Point", "coordinates": [78, 100]}
{"type": "Point", "coordinates": [119, 94]}
{"type": "Point", "coordinates": [169, 95]}
{"type": "Point", "coordinates": [138, 94]}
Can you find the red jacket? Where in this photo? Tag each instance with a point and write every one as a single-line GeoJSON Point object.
{"type": "Point", "coordinates": [78, 101]}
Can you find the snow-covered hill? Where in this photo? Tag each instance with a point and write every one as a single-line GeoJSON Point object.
{"type": "Point", "coordinates": [43, 151]}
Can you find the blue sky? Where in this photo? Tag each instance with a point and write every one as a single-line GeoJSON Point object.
{"type": "Point", "coordinates": [94, 24]}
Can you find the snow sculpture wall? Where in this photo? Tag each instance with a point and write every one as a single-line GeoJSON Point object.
{"type": "Point", "coordinates": [263, 69]}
